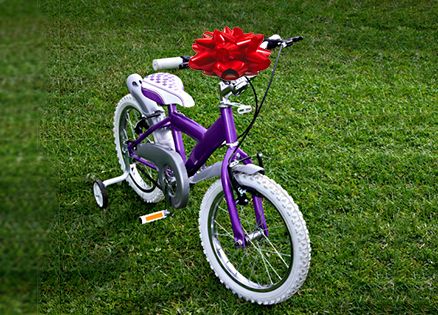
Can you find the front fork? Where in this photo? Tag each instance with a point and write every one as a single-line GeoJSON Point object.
{"type": "Point", "coordinates": [231, 141]}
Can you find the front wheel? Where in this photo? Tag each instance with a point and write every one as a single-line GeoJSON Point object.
{"type": "Point", "coordinates": [270, 268]}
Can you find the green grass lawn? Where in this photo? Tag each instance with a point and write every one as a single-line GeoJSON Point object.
{"type": "Point", "coordinates": [349, 130]}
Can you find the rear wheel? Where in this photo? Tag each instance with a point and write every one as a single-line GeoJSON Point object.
{"type": "Point", "coordinates": [141, 178]}
{"type": "Point", "coordinates": [270, 268]}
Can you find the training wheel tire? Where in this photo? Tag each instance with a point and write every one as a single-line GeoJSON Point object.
{"type": "Point", "coordinates": [100, 194]}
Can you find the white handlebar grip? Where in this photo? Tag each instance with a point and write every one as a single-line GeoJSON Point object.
{"type": "Point", "coordinates": [265, 44]}
{"type": "Point", "coordinates": [167, 63]}
{"type": "Point", "coordinates": [275, 36]}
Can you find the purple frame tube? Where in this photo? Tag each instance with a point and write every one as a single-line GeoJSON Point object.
{"type": "Point", "coordinates": [208, 140]}
{"type": "Point", "coordinates": [231, 141]}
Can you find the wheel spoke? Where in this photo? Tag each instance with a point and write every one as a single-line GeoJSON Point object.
{"type": "Point", "coordinates": [125, 134]}
{"type": "Point", "coordinates": [224, 210]}
{"type": "Point", "coordinates": [266, 268]}
{"type": "Point", "coordinates": [246, 219]}
{"type": "Point", "coordinates": [228, 233]}
{"type": "Point", "coordinates": [131, 126]}
{"type": "Point", "coordinates": [242, 258]}
{"type": "Point", "coordinates": [275, 249]}
{"type": "Point", "coordinates": [271, 252]}
{"type": "Point", "coordinates": [261, 255]}
{"type": "Point", "coordinates": [222, 234]}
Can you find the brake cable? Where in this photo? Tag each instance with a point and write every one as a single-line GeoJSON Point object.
{"type": "Point", "coordinates": [258, 107]}
{"type": "Point", "coordinates": [241, 196]}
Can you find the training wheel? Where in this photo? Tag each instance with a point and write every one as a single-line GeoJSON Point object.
{"type": "Point", "coordinates": [100, 194]}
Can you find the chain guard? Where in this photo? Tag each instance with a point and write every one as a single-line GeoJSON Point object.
{"type": "Point", "coordinates": [170, 165]}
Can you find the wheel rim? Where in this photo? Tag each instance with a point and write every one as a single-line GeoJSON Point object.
{"type": "Point", "coordinates": [129, 118]}
{"type": "Point", "coordinates": [98, 194]}
{"type": "Point", "coordinates": [266, 262]}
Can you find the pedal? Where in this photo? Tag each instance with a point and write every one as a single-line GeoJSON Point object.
{"type": "Point", "coordinates": [244, 109]}
{"type": "Point", "coordinates": [151, 217]}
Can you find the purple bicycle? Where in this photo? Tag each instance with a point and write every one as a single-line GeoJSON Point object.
{"type": "Point", "coordinates": [252, 232]}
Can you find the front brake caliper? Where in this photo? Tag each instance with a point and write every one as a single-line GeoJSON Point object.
{"type": "Point", "coordinates": [242, 198]}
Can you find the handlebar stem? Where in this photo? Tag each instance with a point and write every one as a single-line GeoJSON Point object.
{"type": "Point", "coordinates": [235, 87]}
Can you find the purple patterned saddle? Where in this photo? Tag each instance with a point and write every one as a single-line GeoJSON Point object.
{"type": "Point", "coordinates": [165, 89]}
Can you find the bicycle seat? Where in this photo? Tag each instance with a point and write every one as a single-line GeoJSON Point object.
{"type": "Point", "coordinates": [165, 89]}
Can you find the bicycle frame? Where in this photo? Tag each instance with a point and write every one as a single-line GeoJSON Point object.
{"type": "Point", "coordinates": [208, 140]}
{"type": "Point", "coordinates": [148, 131]}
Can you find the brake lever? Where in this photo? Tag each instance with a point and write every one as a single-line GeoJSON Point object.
{"type": "Point", "coordinates": [273, 43]}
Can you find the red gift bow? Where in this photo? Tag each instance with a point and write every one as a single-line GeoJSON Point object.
{"type": "Point", "coordinates": [230, 54]}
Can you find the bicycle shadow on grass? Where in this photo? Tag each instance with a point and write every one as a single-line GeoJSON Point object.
{"type": "Point", "coordinates": [105, 254]}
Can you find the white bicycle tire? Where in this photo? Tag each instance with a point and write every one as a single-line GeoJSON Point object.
{"type": "Point", "coordinates": [296, 226]}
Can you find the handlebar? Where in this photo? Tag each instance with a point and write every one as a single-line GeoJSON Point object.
{"type": "Point", "coordinates": [182, 62]}
{"type": "Point", "coordinates": [275, 41]}
{"type": "Point", "coordinates": [171, 63]}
